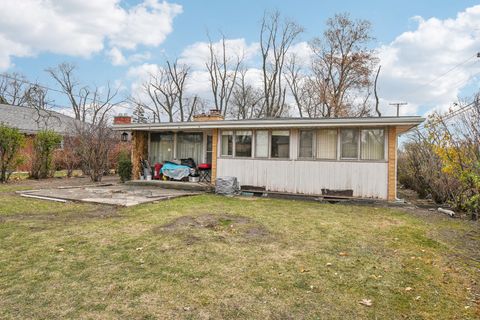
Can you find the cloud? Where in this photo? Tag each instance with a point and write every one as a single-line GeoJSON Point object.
{"type": "Point", "coordinates": [119, 59]}
{"type": "Point", "coordinates": [81, 28]}
{"type": "Point", "coordinates": [198, 53]}
{"type": "Point", "coordinates": [428, 67]}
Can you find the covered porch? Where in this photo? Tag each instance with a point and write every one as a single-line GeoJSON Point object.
{"type": "Point", "coordinates": [160, 147]}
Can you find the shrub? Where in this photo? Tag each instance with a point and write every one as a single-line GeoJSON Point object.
{"type": "Point", "coordinates": [125, 170]}
{"type": "Point", "coordinates": [11, 140]}
{"type": "Point", "coordinates": [44, 145]}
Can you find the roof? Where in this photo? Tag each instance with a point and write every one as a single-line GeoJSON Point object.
{"type": "Point", "coordinates": [405, 122]}
{"type": "Point", "coordinates": [30, 120]}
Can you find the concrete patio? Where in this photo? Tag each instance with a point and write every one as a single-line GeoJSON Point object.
{"type": "Point", "coordinates": [116, 194]}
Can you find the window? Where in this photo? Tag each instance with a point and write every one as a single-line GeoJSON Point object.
{"type": "Point", "coordinates": [280, 144]}
{"type": "Point", "coordinates": [209, 149]}
{"type": "Point", "coordinates": [124, 137]}
{"type": "Point", "coordinates": [161, 147]}
{"type": "Point", "coordinates": [243, 143]}
{"type": "Point", "coordinates": [327, 144]}
{"type": "Point", "coordinates": [261, 143]}
{"type": "Point", "coordinates": [349, 143]}
{"type": "Point", "coordinates": [372, 144]}
{"type": "Point", "coordinates": [306, 144]}
{"type": "Point", "coordinates": [190, 145]}
{"type": "Point", "coordinates": [227, 143]}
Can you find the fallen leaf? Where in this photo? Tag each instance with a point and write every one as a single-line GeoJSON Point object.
{"type": "Point", "coordinates": [139, 248]}
{"type": "Point", "coordinates": [304, 270]}
{"type": "Point", "coordinates": [343, 254]}
{"type": "Point", "coordinates": [328, 264]}
{"type": "Point", "coordinates": [408, 289]}
{"type": "Point", "coordinates": [366, 302]}
{"type": "Point", "coordinates": [60, 250]}
{"type": "Point", "coordinates": [417, 298]}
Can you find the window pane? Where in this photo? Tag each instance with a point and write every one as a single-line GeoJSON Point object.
{"type": "Point", "coordinates": [306, 144]}
{"type": "Point", "coordinates": [373, 144]}
{"type": "Point", "coordinates": [161, 147]}
{"type": "Point", "coordinates": [327, 144]}
{"type": "Point", "coordinates": [227, 143]}
{"type": "Point", "coordinates": [243, 143]}
{"type": "Point", "coordinates": [349, 143]}
{"type": "Point", "coordinates": [190, 145]}
{"type": "Point", "coordinates": [261, 143]}
{"type": "Point", "coordinates": [280, 144]}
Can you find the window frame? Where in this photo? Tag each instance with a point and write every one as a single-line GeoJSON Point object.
{"type": "Point", "coordinates": [385, 144]}
{"type": "Point", "coordinates": [314, 144]}
{"type": "Point", "coordinates": [337, 144]}
{"type": "Point", "coordinates": [339, 137]}
{"type": "Point", "coordinates": [289, 145]}
{"type": "Point", "coordinates": [221, 144]}
{"type": "Point", "coordinates": [235, 144]}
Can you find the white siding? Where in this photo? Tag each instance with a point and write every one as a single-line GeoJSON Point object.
{"type": "Point", "coordinates": [366, 179]}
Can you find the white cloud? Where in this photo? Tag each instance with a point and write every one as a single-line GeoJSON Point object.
{"type": "Point", "coordinates": [198, 53]}
{"type": "Point", "coordinates": [80, 28]}
{"type": "Point", "coordinates": [413, 64]}
{"type": "Point", "coordinates": [118, 58]}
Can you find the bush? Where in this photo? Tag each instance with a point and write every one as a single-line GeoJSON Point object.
{"type": "Point", "coordinates": [44, 145]}
{"type": "Point", "coordinates": [11, 141]}
{"type": "Point", "coordinates": [125, 170]}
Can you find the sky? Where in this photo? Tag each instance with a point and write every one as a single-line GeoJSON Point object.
{"type": "Point", "coordinates": [427, 49]}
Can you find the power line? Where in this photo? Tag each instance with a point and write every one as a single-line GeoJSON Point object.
{"type": "Point", "coordinates": [6, 76]}
{"type": "Point", "coordinates": [455, 113]}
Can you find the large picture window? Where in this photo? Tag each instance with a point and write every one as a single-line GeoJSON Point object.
{"type": "Point", "coordinates": [327, 144]}
{"type": "Point", "coordinates": [306, 144]}
{"type": "Point", "coordinates": [243, 143]}
{"type": "Point", "coordinates": [161, 147]}
{"type": "Point", "coordinates": [372, 144]}
{"type": "Point", "coordinates": [261, 144]}
{"type": "Point", "coordinates": [190, 145]}
{"type": "Point", "coordinates": [349, 143]}
{"type": "Point", "coordinates": [227, 143]}
{"type": "Point", "coordinates": [280, 144]}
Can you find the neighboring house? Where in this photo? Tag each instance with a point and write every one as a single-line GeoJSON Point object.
{"type": "Point", "coordinates": [30, 121]}
{"type": "Point", "coordinates": [355, 156]}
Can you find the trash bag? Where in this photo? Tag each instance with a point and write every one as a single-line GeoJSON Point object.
{"type": "Point", "coordinates": [227, 186]}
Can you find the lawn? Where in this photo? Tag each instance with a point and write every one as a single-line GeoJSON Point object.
{"type": "Point", "coordinates": [212, 257]}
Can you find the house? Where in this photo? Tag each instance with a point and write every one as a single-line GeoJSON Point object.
{"type": "Point", "coordinates": [30, 121]}
{"type": "Point", "coordinates": [353, 156]}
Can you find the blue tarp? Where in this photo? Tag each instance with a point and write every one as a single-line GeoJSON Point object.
{"type": "Point", "coordinates": [175, 171]}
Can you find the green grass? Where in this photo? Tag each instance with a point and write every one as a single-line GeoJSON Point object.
{"type": "Point", "coordinates": [263, 259]}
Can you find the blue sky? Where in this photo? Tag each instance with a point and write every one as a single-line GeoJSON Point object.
{"type": "Point", "coordinates": [400, 39]}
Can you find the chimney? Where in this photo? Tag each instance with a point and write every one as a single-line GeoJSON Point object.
{"type": "Point", "coordinates": [122, 119]}
{"type": "Point", "coordinates": [213, 115]}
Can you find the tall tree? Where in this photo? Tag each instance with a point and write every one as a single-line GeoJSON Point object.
{"type": "Point", "coordinates": [343, 65]}
{"type": "Point", "coordinates": [223, 71]}
{"type": "Point", "coordinates": [246, 99]}
{"type": "Point", "coordinates": [276, 37]}
{"type": "Point", "coordinates": [166, 92]}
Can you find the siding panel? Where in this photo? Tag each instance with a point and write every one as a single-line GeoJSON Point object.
{"type": "Point", "coordinates": [366, 179]}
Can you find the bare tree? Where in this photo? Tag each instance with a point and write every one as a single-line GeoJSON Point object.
{"type": "Point", "coordinates": [377, 109]}
{"type": "Point", "coordinates": [343, 65]}
{"type": "Point", "coordinates": [246, 99]}
{"type": "Point", "coordinates": [223, 71]}
{"type": "Point", "coordinates": [12, 89]}
{"type": "Point", "coordinates": [306, 94]}
{"type": "Point", "coordinates": [166, 92]}
{"type": "Point", "coordinates": [276, 37]}
{"type": "Point", "coordinates": [64, 75]}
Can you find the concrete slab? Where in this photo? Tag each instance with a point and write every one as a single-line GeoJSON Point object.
{"type": "Point", "coordinates": [119, 195]}
{"type": "Point", "coordinates": [179, 185]}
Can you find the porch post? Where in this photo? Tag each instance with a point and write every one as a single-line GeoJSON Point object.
{"type": "Point", "coordinates": [392, 164]}
{"type": "Point", "coordinates": [139, 151]}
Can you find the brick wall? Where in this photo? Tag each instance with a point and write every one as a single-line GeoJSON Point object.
{"type": "Point", "coordinates": [392, 164]}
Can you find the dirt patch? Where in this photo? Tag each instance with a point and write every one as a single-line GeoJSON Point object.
{"type": "Point", "coordinates": [219, 227]}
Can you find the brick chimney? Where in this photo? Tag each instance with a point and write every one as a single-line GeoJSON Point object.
{"type": "Point", "coordinates": [213, 115]}
{"type": "Point", "coordinates": [122, 119]}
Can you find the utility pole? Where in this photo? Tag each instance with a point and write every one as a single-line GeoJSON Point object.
{"type": "Point", "coordinates": [398, 104]}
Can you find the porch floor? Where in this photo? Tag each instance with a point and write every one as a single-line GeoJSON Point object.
{"type": "Point", "coordinates": [179, 185]}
